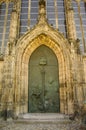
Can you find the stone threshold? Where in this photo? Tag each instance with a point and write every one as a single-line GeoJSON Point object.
{"type": "Point", "coordinates": [43, 118]}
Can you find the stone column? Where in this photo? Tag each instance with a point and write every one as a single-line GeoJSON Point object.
{"type": "Point", "coordinates": [29, 11]}
{"type": "Point", "coordinates": [15, 22]}
{"type": "Point", "coordinates": [56, 13]}
{"type": "Point", "coordinates": [80, 80]}
{"type": "Point", "coordinates": [1, 73]}
{"type": "Point", "coordinates": [13, 26]}
{"type": "Point", "coordinates": [71, 35]}
{"type": "Point", "coordinates": [69, 13]}
{"type": "Point", "coordinates": [77, 75]}
{"type": "Point", "coordinates": [18, 8]}
{"type": "Point", "coordinates": [81, 25]}
{"type": "Point", "coordinates": [5, 24]}
{"type": "Point", "coordinates": [84, 85]}
{"type": "Point", "coordinates": [8, 97]}
{"type": "Point", "coordinates": [8, 85]}
{"type": "Point", "coordinates": [42, 11]}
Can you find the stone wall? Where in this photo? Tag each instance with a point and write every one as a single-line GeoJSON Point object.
{"type": "Point", "coordinates": [84, 62]}
{"type": "Point", "coordinates": [1, 71]}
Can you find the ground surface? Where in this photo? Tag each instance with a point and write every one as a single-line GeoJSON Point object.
{"type": "Point", "coordinates": [41, 122]}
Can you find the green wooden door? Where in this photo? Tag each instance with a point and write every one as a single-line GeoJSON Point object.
{"type": "Point", "coordinates": [43, 81]}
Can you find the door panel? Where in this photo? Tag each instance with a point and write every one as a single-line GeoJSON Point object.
{"type": "Point", "coordinates": [43, 81]}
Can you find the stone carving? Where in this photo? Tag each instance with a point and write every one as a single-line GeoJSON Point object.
{"type": "Point", "coordinates": [43, 61]}
{"type": "Point", "coordinates": [36, 92]}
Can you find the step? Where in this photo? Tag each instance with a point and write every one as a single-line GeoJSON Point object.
{"type": "Point", "coordinates": [43, 118]}
{"type": "Point", "coordinates": [40, 121]}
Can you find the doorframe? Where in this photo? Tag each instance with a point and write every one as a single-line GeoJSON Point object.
{"type": "Point", "coordinates": [22, 61]}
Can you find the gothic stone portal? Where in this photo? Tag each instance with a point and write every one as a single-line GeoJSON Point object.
{"type": "Point", "coordinates": [43, 81]}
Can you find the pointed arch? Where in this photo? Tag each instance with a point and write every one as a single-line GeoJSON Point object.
{"type": "Point", "coordinates": [23, 56]}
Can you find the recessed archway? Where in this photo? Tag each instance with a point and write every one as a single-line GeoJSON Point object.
{"type": "Point", "coordinates": [23, 58]}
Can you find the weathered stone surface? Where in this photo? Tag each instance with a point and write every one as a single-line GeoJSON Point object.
{"type": "Point", "coordinates": [40, 126]}
{"type": "Point", "coordinates": [14, 76]}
